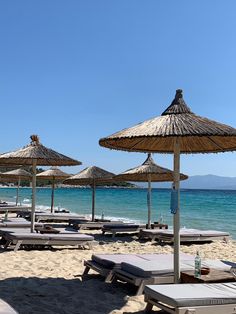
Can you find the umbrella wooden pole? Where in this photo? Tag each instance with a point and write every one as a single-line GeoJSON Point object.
{"type": "Point", "coordinates": [52, 196]}
{"type": "Point", "coordinates": [149, 201]}
{"type": "Point", "coordinates": [33, 194]}
{"type": "Point", "coordinates": [176, 218]}
{"type": "Point", "coordinates": [93, 201]}
{"type": "Point", "coordinates": [17, 192]}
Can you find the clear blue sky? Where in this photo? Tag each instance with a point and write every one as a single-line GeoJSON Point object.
{"type": "Point", "coordinates": [75, 71]}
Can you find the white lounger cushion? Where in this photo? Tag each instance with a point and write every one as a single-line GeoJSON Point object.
{"type": "Point", "coordinates": [5, 308]}
{"type": "Point", "coordinates": [48, 236]}
{"type": "Point", "coordinates": [164, 266]}
{"type": "Point", "coordinates": [181, 295]}
{"type": "Point", "coordinates": [115, 260]}
{"type": "Point", "coordinates": [57, 216]}
{"type": "Point", "coordinates": [187, 232]}
{"type": "Point", "coordinates": [18, 224]}
{"type": "Point", "coordinates": [120, 226]}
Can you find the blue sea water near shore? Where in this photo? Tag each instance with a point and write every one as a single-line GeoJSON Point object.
{"type": "Point", "coordinates": [205, 209]}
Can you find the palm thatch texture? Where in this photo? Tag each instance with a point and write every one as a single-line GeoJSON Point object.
{"type": "Point", "coordinates": [16, 175]}
{"type": "Point", "coordinates": [177, 130]}
{"type": "Point", "coordinates": [54, 174]}
{"type": "Point", "coordinates": [196, 134]}
{"type": "Point", "coordinates": [149, 172]}
{"type": "Point", "coordinates": [36, 154]}
{"type": "Point", "coordinates": [91, 176]}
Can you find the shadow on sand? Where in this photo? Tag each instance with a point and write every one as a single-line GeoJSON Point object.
{"type": "Point", "coordinates": [61, 296]}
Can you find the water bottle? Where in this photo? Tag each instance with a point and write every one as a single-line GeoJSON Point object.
{"type": "Point", "coordinates": [197, 270]}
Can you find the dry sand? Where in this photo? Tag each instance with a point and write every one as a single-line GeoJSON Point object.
{"type": "Point", "coordinates": [50, 281]}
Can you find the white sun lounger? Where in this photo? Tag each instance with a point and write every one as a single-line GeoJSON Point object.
{"type": "Point", "coordinates": [192, 298]}
{"type": "Point", "coordinates": [18, 223]}
{"type": "Point", "coordinates": [6, 308]}
{"type": "Point", "coordinates": [107, 264]}
{"type": "Point", "coordinates": [13, 209]}
{"type": "Point", "coordinates": [120, 228]}
{"type": "Point", "coordinates": [93, 224]}
{"type": "Point", "coordinates": [22, 237]}
{"type": "Point", "coordinates": [186, 235]}
{"type": "Point", "coordinates": [142, 273]}
{"type": "Point", "coordinates": [56, 217]}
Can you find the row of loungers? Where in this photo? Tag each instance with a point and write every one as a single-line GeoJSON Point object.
{"type": "Point", "coordinates": [186, 235]}
{"type": "Point", "coordinates": [143, 269]}
{"type": "Point", "coordinates": [80, 224]}
{"type": "Point", "coordinates": [161, 235]}
{"type": "Point", "coordinates": [16, 232]}
{"type": "Point", "coordinates": [112, 227]}
{"type": "Point", "coordinates": [47, 216]}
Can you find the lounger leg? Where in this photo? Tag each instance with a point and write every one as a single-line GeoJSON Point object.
{"type": "Point", "coordinates": [140, 288]}
{"type": "Point", "coordinates": [7, 244]}
{"type": "Point", "coordinates": [86, 271]}
{"type": "Point", "coordinates": [18, 244]}
{"type": "Point", "coordinates": [90, 245]}
{"type": "Point", "coordinates": [148, 308]}
{"type": "Point", "coordinates": [109, 277]}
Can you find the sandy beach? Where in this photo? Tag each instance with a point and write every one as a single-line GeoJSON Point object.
{"type": "Point", "coordinates": [49, 281]}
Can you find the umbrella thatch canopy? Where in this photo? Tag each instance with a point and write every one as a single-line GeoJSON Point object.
{"type": "Point", "coordinates": [36, 154]}
{"type": "Point", "coordinates": [177, 130]}
{"type": "Point", "coordinates": [149, 172]}
{"type": "Point", "coordinates": [196, 134]}
{"type": "Point", "coordinates": [149, 169]}
{"type": "Point", "coordinates": [54, 174]}
{"type": "Point", "coordinates": [16, 175]}
{"type": "Point", "coordinates": [91, 176]}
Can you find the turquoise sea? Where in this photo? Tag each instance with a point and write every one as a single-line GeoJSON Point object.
{"type": "Point", "coordinates": [206, 209]}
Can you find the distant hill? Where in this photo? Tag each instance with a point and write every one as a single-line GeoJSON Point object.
{"type": "Point", "coordinates": [202, 182]}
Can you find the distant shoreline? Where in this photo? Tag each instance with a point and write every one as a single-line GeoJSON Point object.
{"type": "Point", "coordinates": [119, 188]}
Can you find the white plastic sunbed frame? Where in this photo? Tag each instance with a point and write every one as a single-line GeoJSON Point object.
{"type": "Point", "coordinates": [141, 282]}
{"type": "Point", "coordinates": [56, 217]}
{"type": "Point", "coordinates": [162, 238]}
{"type": "Point", "coordinates": [165, 236]}
{"type": "Point", "coordinates": [108, 273]}
{"type": "Point", "coordinates": [160, 278]}
{"type": "Point", "coordinates": [43, 239]}
{"type": "Point", "coordinates": [122, 229]}
{"type": "Point", "coordinates": [13, 209]}
{"type": "Point", "coordinates": [162, 303]}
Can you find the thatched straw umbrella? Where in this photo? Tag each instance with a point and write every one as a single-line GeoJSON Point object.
{"type": "Point", "coordinates": [16, 175]}
{"type": "Point", "coordinates": [177, 130]}
{"type": "Point", "coordinates": [36, 154]}
{"type": "Point", "coordinates": [148, 172]}
{"type": "Point", "coordinates": [54, 174]}
{"type": "Point", "coordinates": [91, 176]}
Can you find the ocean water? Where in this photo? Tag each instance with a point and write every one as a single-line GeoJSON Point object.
{"type": "Point", "coordinates": [205, 209]}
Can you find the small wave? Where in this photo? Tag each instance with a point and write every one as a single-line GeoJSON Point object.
{"type": "Point", "coordinates": [48, 207]}
{"type": "Point", "coordinates": [26, 200]}
{"type": "Point", "coordinates": [42, 207]}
